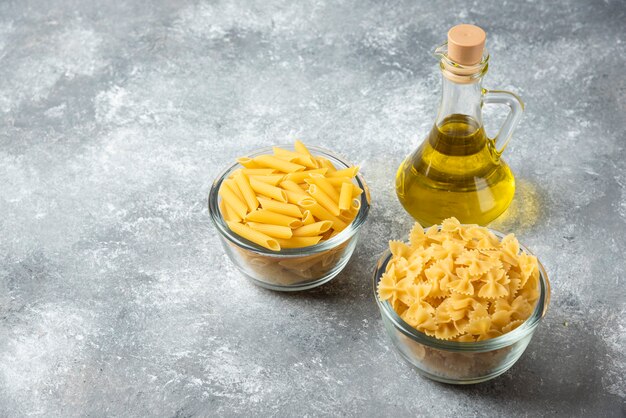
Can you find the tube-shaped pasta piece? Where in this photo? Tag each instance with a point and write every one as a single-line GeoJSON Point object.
{"type": "Point", "coordinates": [312, 230]}
{"type": "Point", "coordinates": [257, 171]}
{"type": "Point", "coordinates": [355, 205]}
{"type": "Point", "coordinates": [338, 181]}
{"type": "Point", "coordinates": [292, 186]}
{"type": "Point", "coordinates": [272, 179]}
{"type": "Point", "coordinates": [293, 197]}
{"type": "Point", "coordinates": [280, 207]}
{"type": "Point", "coordinates": [247, 162]}
{"type": "Point", "coordinates": [301, 148]}
{"type": "Point", "coordinates": [275, 231]}
{"type": "Point", "coordinates": [296, 157]}
{"type": "Point", "coordinates": [346, 172]}
{"type": "Point", "coordinates": [327, 234]}
{"type": "Point", "coordinates": [346, 216]}
{"type": "Point", "coordinates": [246, 190]}
{"type": "Point", "coordinates": [278, 164]}
{"type": "Point", "coordinates": [300, 176]}
{"type": "Point", "coordinates": [268, 190]}
{"type": "Point", "coordinates": [320, 213]}
{"type": "Point", "coordinates": [345, 196]}
{"type": "Point", "coordinates": [233, 201]}
{"type": "Point", "coordinates": [307, 218]}
{"type": "Point", "coordinates": [257, 237]}
{"type": "Point", "coordinates": [356, 191]}
{"type": "Point", "coordinates": [298, 242]}
{"type": "Point", "coordinates": [299, 263]}
{"type": "Point", "coordinates": [323, 184]}
{"type": "Point", "coordinates": [323, 162]}
{"type": "Point", "coordinates": [323, 199]}
{"type": "Point", "coordinates": [232, 185]}
{"type": "Point", "coordinates": [265, 216]}
{"type": "Point", "coordinates": [349, 215]}
{"type": "Point", "coordinates": [228, 213]}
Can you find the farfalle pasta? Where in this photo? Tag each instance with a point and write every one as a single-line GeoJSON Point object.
{"type": "Point", "coordinates": [460, 282]}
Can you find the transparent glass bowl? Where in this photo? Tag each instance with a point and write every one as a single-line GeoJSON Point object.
{"type": "Point", "coordinates": [291, 269]}
{"type": "Point", "coordinates": [460, 362]}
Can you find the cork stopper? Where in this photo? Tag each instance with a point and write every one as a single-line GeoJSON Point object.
{"type": "Point", "coordinates": [466, 44]}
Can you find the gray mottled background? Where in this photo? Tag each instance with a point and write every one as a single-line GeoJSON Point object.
{"type": "Point", "coordinates": [115, 117]}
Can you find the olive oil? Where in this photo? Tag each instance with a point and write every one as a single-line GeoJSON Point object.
{"type": "Point", "coordinates": [455, 172]}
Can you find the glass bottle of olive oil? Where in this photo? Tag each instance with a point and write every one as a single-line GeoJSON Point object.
{"type": "Point", "coordinates": [458, 171]}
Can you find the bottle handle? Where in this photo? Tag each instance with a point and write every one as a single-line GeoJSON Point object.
{"type": "Point", "coordinates": [516, 107]}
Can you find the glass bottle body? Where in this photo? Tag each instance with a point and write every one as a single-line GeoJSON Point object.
{"type": "Point", "coordinates": [457, 170]}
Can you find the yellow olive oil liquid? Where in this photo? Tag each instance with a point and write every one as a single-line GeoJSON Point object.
{"type": "Point", "coordinates": [455, 172]}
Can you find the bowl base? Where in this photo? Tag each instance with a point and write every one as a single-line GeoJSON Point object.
{"type": "Point", "coordinates": [307, 285]}
{"type": "Point", "coordinates": [457, 381]}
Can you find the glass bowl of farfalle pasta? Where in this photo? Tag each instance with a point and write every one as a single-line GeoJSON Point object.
{"type": "Point", "coordinates": [289, 216]}
{"type": "Point", "coordinates": [460, 302]}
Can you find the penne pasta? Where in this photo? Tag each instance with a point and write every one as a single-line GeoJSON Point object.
{"type": "Point", "coordinates": [298, 242]}
{"type": "Point", "coordinates": [280, 207]}
{"type": "Point", "coordinates": [278, 164]}
{"type": "Point", "coordinates": [272, 179]}
{"type": "Point", "coordinates": [300, 176]}
{"type": "Point", "coordinates": [257, 237]}
{"type": "Point", "coordinates": [246, 190]}
{"type": "Point", "coordinates": [338, 181]}
{"type": "Point", "coordinates": [322, 183]}
{"type": "Point", "coordinates": [268, 190]}
{"type": "Point", "coordinates": [274, 231]}
{"type": "Point", "coordinates": [290, 199]}
{"type": "Point", "coordinates": [247, 162]}
{"type": "Point", "coordinates": [328, 259]}
{"type": "Point", "coordinates": [233, 201]}
{"type": "Point", "coordinates": [228, 213]}
{"type": "Point", "coordinates": [312, 230]}
{"type": "Point", "coordinates": [346, 216]}
{"type": "Point", "coordinates": [323, 162]}
{"type": "Point", "coordinates": [346, 172]}
{"type": "Point", "coordinates": [356, 191]}
{"type": "Point", "coordinates": [232, 185]}
{"type": "Point", "coordinates": [320, 213]}
{"type": "Point", "coordinates": [257, 171]}
{"type": "Point", "coordinates": [300, 263]}
{"type": "Point", "coordinates": [296, 157]}
{"type": "Point", "coordinates": [301, 148]}
{"type": "Point", "coordinates": [345, 196]}
{"type": "Point", "coordinates": [327, 234]}
{"type": "Point", "coordinates": [307, 218]}
{"type": "Point", "coordinates": [293, 197]}
{"type": "Point", "coordinates": [292, 187]}
{"type": "Point", "coordinates": [258, 261]}
{"type": "Point", "coordinates": [323, 199]}
{"type": "Point", "coordinates": [268, 217]}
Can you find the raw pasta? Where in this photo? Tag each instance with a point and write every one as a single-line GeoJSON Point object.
{"type": "Point", "coordinates": [289, 199]}
{"type": "Point", "coordinates": [460, 282]}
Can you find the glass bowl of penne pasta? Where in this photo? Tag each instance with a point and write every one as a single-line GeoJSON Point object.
{"type": "Point", "coordinates": [465, 359]}
{"type": "Point", "coordinates": [288, 216]}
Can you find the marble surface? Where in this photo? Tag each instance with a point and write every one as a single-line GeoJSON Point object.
{"type": "Point", "coordinates": [115, 117]}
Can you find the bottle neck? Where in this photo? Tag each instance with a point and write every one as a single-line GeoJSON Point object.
{"type": "Point", "coordinates": [460, 99]}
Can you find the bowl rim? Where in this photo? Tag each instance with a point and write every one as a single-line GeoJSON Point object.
{"type": "Point", "coordinates": [219, 223]}
{"type": "Point", "coordinates": [525, 329]}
